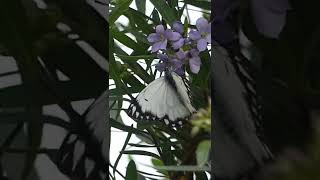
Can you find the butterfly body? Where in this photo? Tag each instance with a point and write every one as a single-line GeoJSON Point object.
{"type": "Point", "coordinates": [164, 99]}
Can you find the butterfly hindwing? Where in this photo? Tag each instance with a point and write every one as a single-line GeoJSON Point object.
{"type": "Point", "coordinates": [165, 99]}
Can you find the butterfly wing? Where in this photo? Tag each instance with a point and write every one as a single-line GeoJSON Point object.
{"type": "Point", "coordinates": [238, 147]}
{"type": "Point", "coordinates": [161, 100]}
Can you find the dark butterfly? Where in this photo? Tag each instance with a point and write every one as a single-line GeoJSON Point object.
{"type": "Point", "coordinates": [238, 144]}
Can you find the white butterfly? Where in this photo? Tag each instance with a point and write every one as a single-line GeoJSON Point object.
{"type": "Point", "coordinates": [166, 99]}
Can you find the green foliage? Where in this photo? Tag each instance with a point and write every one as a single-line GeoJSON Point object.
{"type": "Point", "coordinates": [132, 173]}
{"type": "Point", "coordinates": [120, 7]}
{"type": "Point", "coordinates": [203, 151]}
{"type": "Point", "coordinates": [178, 150]}
{"type": "Point", "coordinates": [28, 34]}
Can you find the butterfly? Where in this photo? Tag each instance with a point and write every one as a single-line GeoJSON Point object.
{"type": "Point", "coordinates": [239, 147]}
{"type": "Point", "coordinates": [84, 151]}
{"type": "Point", "coordinates": [166, 99]}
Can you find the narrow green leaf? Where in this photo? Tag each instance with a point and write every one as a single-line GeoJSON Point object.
{"type": "Point", "coordinates": [141, 5]}
{"type": "Point", "coordinates": [158, 162]}
{"type": "Point", "coordinates": [140, 37]}
{"type": "Point", "coordinates": [181, 10]}
{"type": "Point", "coordinates": [140, 20]}
{"type": "Point", "coordinates": [185, 26]}
{"type": "Point", "coordinates": [132, 173]}
{"type": "Point", "coordinates": [183, 168]}
{"type": "Point", "coordinates": [120, 154]}
{"type": "Point", "coordinates": [202, 152]}
{"type": "Point", "coordinates": [155, 16]}
{"type": "Point", "coordinates": [145, 57]}
{"type": "Point", "coordinates": [141, 145]}
{"type": "Point", "coordinates": [120, 7]}
{"type": "Point", "coordinates": [143, 153]}
{"type": "Point", "coordinates": [114, 114]}
{"type": "Point", "coordinates": [130, 129]}
{"type": "Point", "coordinates": [166, 12]}
{"type": "Point", "coordinates": [124, 39]}
{"type": "Point", "coordinates": [173, 3]}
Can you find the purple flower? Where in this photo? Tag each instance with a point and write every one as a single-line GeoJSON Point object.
{"type": "Point", "coordinates": [203, 35]}
{"type": "Point", "coordinates": [181, 55]}
{"type": "Point", "coordinates": [178, 61]}
{"type": "Point", "coordinates": [178, 27]}
{"type": "Point", "coordinates": [170, 63]}
{"type": "Point", "coordinates": [178, 44]}
{"type": "Point", "coordinates": [194, 60]}
{"type": "Point", "coordinates": [161, 66]}
{"type": "Point", "coordinates": [160, 39]}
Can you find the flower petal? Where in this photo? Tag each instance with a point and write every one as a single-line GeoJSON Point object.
{"type": "Point", "coordinates": [187, 41]}
{"type": "Point", "coordinates": [153, 37]}
{"type": "Point", "coordinates": [195, 64]}
{"type": "Point", "coordinates": [180, 71]}
{"type": "Point", "coordinates": [160, 29]}
{"type": "Point", "coordinates": [202, 25]}
{"type": "Point", "coordinates": [178, 26]}
{"type": "Point", "coordinates": [164, 44]}
{"type": "Point", "coordinates": [209, 28]}
{"type": "Point", "coordinates": [202, 44]}
{"type": "Point", "coordinates": [194, 52]}
{"type": "Point", "coordinates": [159, 45]}
{"type": "Point", "coordinates": [172, 36]}
{"type": "Point", "coordinates": [176, 63]}
{"type": "Point", "coordinates": [181, 54]}
{"type": "Point", "coordinates": [178, 44]}
{"type": "Point", "coordinates": [163, 57]}
{"type": "Point", "coordinates": [161, 66]}
{"type": "Point", "coordinates": [194, 35]}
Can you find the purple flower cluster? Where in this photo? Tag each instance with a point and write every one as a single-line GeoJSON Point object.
{"type": "Point", "coordinates": [175, 47]}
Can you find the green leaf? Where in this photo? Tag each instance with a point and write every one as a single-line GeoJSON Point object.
{"type": "Point", "coordinates": [141, 145]}
{"type": "Point", "coordinates": [185, 26]}
{"type": "Point", "coordinates": [114, 114]}
{"type": "Point", "coordinates": [155, 16]}
{"type": "Point", "coordinates": [140, 20]}
{"type": "Point", "coordinates": [132, 173]}
{"type": "Point", "coordinates": [145, 57]}
{"type": "Point", "coordinates": [158, 162]}
{"type": "Point", "coordinates": [141, 5]}
{"type": "Point", "coordinates": [143, 153]}
{"type": "Point", "coordinates": [173, 3]}
{"type": "Point", "coordinates": [203, 151]}
{"type": "Point", "coordinates": [168, 14]}
{"type": "Point", "coordinates": [140, 37]}
{"type": "Point", "coordinates": [183, 168]}
{"type": "Point", "coordinates": [120, 7]}
{"type": "Point", "coordinates": [120, 154]}
{"type": "Point", "coordinates": [166, 151]}
{"type": "Point", "coordinates": [129, 129]}
{"type": "Point", "coordinates": [124, 39]}
{"type": "Point", "coordinates": [201, 176]}
{"type": "Point", "coordinates": [142, 138]}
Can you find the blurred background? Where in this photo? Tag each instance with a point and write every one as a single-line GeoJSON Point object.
{"type": "Point", "coordinates": [53, 62]}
